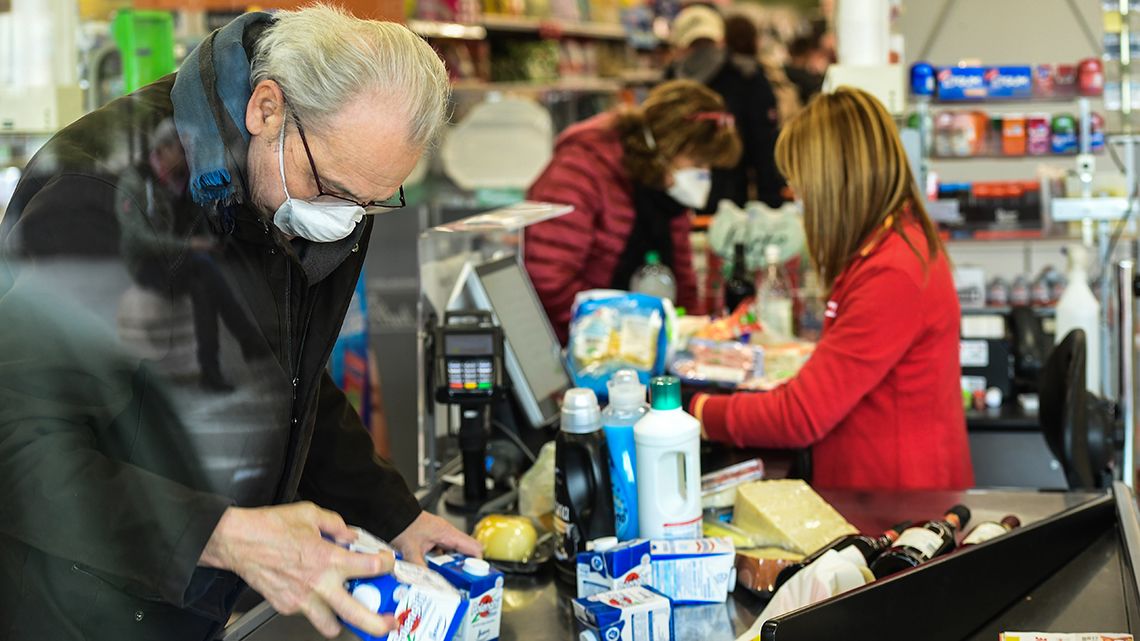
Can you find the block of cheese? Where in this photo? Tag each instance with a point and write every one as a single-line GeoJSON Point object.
{"type": "Point", "coordinates": [787, 514]}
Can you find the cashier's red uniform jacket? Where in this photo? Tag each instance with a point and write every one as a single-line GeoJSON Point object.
{"type": "Point", "coordinates": [580, 251]}
{"type": "Point", "coordinates": [879, 403]}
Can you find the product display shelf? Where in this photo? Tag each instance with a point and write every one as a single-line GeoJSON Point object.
{"type": "Point", "coordinates": [563, 85]}
{"type": "Point", "coordinates": [448, 30]}
{"type": "Point", "coordinates": [555, 27]}
{"type": "Point", "coordinates": [517, 24]}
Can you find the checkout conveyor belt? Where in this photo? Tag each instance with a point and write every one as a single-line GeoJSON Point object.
{"type": "Point", "coordinates": [1072, 567]}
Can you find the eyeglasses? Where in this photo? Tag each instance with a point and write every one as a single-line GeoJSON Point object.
{"type": "Point", "coordinates": [395, 202]}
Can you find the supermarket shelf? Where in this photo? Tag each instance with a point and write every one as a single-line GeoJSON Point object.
{"type": "Point", "coordinates": [1043, 158]}
{"type": "Point", "coordinates": [642, 76]}
{"type": "Point", "coordinates": [571, 85]}
{"type": "Point", "coordinates": [1011, 102]}
{"type": "Point", "coordinates": [450, 30]}
{"type": "Point", "coordinates": [596, 30]}
{"type": "Point", "coordinates": [1005, 310]}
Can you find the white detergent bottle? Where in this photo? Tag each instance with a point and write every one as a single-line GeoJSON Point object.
{"type": "Point", "coordinates": [1079, 309]}
{"type": "Point", "coordinates": [668, 447]}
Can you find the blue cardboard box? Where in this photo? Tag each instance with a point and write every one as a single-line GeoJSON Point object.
{"type": "Point", "coordinates": [482, 587]}
{"type": "Point", "coordinates": [962, 83]}
{"type": "Point", "coordinates": [625, 565]}
{"type": "Point", "coordinates": [1009, 83]}
{"type": "Point", "coordinates": [424, 605]}
{"type": "Point", "coordinates": [630, 614]}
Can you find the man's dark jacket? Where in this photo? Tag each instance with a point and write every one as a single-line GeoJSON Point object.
{"type": "Point", "coordinates": [109, 469]}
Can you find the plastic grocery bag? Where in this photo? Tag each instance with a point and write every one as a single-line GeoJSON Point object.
{"type": "Point", "coordinates": [612, 330]}
{"type": "Point", "coordinates": [831, 574]}
{"type": "Point", "coordinates": [536, 487]}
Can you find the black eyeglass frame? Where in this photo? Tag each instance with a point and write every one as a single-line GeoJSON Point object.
{"type": "Point", "coordinates": [317, 177]}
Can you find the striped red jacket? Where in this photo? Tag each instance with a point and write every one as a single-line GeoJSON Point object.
{"type": "Point", "coordinates": [580, 250]}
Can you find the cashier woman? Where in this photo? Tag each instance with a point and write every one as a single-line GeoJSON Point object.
{"type": "Point", "coordinates": [879, 403]}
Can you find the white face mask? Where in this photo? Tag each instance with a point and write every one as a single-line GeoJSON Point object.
{"type": "Point", "coordinates": [691, 187]}
{"type": "Point", "coordinates": [323, 220]}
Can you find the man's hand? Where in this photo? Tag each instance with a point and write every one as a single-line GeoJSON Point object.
{"type": "Point", "coordinates": [279, 552]}
{"type": "Point", "coordinates": [429, 531]}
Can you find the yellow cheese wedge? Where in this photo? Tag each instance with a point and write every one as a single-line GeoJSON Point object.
{"type": "Point", "coordinates": [787, 514]}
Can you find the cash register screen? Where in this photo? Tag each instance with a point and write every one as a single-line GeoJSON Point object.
{"type": "Point", "coordinates": [532, 353]}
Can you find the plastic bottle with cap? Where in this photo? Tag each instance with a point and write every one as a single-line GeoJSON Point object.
{"type": "Point", "coordinates": [668, 442]}
{"type": "Point", "coordinates": [627, 407]}
{"type": "Point", "coordinates": [476, 567]}
{"type": "Point", "coordinates": [774, 296]}
{"type": "Point", "coordinates": [583, 499]}
{"type": "Point", "coordinates": [654, 278]}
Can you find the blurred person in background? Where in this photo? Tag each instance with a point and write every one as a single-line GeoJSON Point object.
{"type": "Point", "coordinates": [808, 61]}
{"type": "Point", "coordinates": [137, 505]}
{"type": "Point", "coordinates": [879, 403]}
{"type": "Point", "coordinates": [704, 55]}
{"type": "Point", "coordinates": [633, 176]}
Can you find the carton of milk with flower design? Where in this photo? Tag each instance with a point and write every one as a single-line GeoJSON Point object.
{"type": "Point", "coordinates": [425, 606]}
{"type": "Point", "coordinates": [482, 587]}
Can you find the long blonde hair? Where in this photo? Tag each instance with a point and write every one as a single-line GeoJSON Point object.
{"type": "Point", "coordinates": [843, 157]}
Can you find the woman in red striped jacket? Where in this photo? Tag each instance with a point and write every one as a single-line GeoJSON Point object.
{"type": "Point", "coordinates": [632, 175]}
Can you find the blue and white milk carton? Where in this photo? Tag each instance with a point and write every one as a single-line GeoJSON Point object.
{"type": "Point", "coordinates": [482, 586]}
{"type": "Point", "coordinates": [691, 571]}
{"type": "Point", "coordinates": [425, 606]}
{"type": "Point", "coordinates": [613, 566]}
{"type": "Point", "coordinates": [631, 614]}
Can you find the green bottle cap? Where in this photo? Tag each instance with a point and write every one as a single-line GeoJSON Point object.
{"type": "Point", "coordinates": [665, 393]}
{"type": "Point", "coordinates": [652, 258]}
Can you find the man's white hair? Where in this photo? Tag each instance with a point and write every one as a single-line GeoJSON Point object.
{"type": "Point", "coordinates": [323, 58]}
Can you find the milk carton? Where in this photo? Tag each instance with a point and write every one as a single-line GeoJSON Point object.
{"type": "Point", "coordinates": [631, 614]}
{"type": "Point", "coordinates": [693, 571]}
{"type": "Point", "coordinates": [612, 566]}
{"type": "Point", "coordinates": [482, 586]}
{"type": "Point", "coordinates": [424, 605]}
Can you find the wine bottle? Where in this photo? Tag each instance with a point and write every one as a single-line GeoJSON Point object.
{"type": "Point", "coordinates": [917, 545]}
{"type": "Point", "coordinates": [987, 530]}
{"type": "Point", "coordinates": [739, 286]}
{"type": "Point", "coordinates": [869, 547]}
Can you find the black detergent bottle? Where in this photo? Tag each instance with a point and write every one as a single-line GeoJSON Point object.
{"type": "Point", "coordinates": [583, 499]}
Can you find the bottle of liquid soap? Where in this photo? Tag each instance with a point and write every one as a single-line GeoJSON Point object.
{"type": "Point", "coordinates": [668, 442]}
{"type": "Point", "coordinates": [774, 297]}
{"type": "Point", "coordinates": [654, 278]}
{"type": "Point", "coordinates": [583, 501]}
{"type": "Point", "coordinates": [627, 407]}
{"type": "Point", "coordinates": [1079, 309]}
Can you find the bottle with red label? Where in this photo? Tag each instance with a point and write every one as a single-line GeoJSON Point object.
{"type": "Point", "coordinates": [1090, 77]}
{"type": "Point", "coordinates": [869, 546]}
{"type": "Point", "coordinates": [917, 545]}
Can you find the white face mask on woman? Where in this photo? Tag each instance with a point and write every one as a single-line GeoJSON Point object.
{"type": "Point", "coordinates": [323, 220]}
{"type": "Point", "coordinates": [691, 187]}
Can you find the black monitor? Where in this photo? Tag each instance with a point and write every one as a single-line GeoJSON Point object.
{"type": "Point", "coordinates": [532, 354]}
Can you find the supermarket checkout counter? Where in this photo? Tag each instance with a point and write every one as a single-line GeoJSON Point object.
{"type": "Point", "coordinates": [1071, 567]}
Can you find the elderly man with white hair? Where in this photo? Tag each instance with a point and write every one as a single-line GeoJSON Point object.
{"type": "Point", "coordinates": [174, 270]}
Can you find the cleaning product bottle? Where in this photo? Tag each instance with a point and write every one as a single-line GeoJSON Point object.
{"type": "Point", "coordinates": [668, 465]}
{"type": "Point", "coordinates": [627, 406]}
{"type": "Point", "coordinates": [774, 297]}
{"type": "Point", "coordinates": [654, 278]}
{"type": "Point", "coordinates": [1079, 309]}
{"type": "Point", "coordinates": [583, 500]}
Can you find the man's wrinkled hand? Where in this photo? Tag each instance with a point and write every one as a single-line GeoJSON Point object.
{"type": "Point", "coordinates": [279, 551]}
{"type": "Point", "coordinates": [429, 531]}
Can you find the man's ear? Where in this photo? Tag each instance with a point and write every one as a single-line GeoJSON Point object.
{"type": "Point", "coordinates": [265, 109]}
